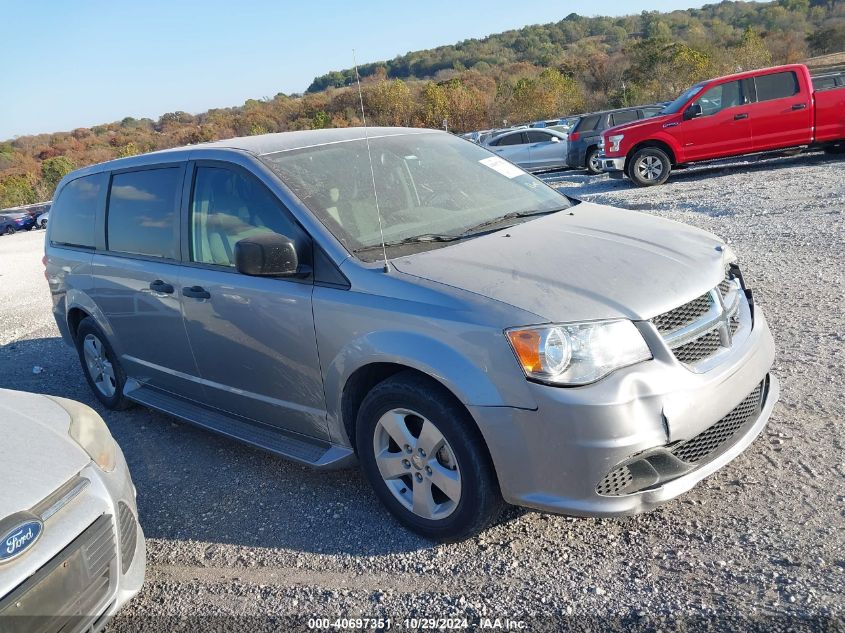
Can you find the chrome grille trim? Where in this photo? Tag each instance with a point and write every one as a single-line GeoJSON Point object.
{"type": "Point", "coordinates": [702, 327]}
{"type": "Point", "coordinates": [61, 497]}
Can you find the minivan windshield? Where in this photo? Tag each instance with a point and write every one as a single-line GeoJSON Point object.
{"type": "Point", "coordinates": [432, 188]}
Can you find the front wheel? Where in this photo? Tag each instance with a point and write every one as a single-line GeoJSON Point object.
{"type": "Point", "coordinates": [10, 230]}
{"type": "Point", "coordinates": [649, 166]}
{"type": "Point", "coordinates": [425, 459]}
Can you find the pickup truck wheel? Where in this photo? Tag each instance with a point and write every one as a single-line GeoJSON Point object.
{"type": "Point", "coordinates": [650, 166]}
{"type": "Point", "coordinates": [593, 164]}
{"type": "Point", "coordinates": [425, 459]}
{"type": "Point", "coordinates": [102, 370]}
{"type": "Point", "coordinates": [836, 148]}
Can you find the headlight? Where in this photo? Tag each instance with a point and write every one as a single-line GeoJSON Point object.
{"type": "Point", "coordinates": [615, 140]}
{"type": "Point", "coordinates": [578, 353]}
{"type": "Point", "coordinates": [90, 432]}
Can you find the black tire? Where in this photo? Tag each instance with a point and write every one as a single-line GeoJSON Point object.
{"type": "Point", "coordinates": [836, 148]}
{"type": "Point", "coordinates": [642, 166]}
{"type": "Point", "coordinates": [591, 161]}
{"type": "Point", "coordinates": [480, 500]}
{"type": "Point", "coordinates": [117, 402]}
{"type": "Point", "coordinates": [10, 230]}
{"type": "Point", "coordinates": [43, 224]}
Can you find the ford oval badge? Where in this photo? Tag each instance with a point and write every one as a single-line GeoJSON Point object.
{"type": "Point", "coordinates": [19, 539]}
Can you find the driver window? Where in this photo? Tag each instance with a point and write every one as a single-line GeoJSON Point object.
{"type": "Point", "coordinates": [720, 97]}
{"type": "Point", "coordinates": [227, 207]}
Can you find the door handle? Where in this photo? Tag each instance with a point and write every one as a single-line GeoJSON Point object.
{"type": "Point", "coordinates": [799, 106]}
{"type": "Point", "coordinates": [738, 117]}
{"type": "Point", "coordinates": [196, 292]}
{"type": "Point", "coordinates": [161, 286]}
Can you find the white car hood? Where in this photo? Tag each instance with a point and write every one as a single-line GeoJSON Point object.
{"type": "Point", "coordinates": [36, 453]}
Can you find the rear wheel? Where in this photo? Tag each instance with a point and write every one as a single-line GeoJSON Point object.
{"type": "Point", "coordinates": [10, 230]}
{"type": "Point", "coordinates": [649, 166]}
{"type": "Point", "coordinates": [836, 148]}
{"type": "Point", "coordinates": [99, 363]}
{"type": "Point", "coordinates": [593, 164]}
{"type": "Point", "coordinates": [425, 458]}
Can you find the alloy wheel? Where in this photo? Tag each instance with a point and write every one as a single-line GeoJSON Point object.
{"type": "Point", "coordinates": [417, 464]}
{"type": "Point", "coordinates": [99, 366]}
{"type": "Point", "coordinates": [650, 167]}
{"type": "Point", "coordinates": [595, 163]}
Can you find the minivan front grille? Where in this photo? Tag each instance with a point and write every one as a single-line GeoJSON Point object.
{"type": "Point", "coordinates": [683, 316]}
{"type": "Point", "coordinates": [716, 436]}
{"type": "Point", "coordinates": [699, 349]}
{"type": "Point", "coordinates": [702, 327]}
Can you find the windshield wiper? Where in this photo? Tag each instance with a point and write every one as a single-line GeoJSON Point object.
{"type": "Point", "coordinates": [416, 239]}
{"type": "Point", "coordinates": [513, 215]}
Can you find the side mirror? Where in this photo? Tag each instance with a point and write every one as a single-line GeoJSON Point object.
{"type": "Point", "coordinates": [270, 255]}
{"type": "Point", "coordinates": [692, 112]}
{"type": "Point", "coordinates": [554, 139]}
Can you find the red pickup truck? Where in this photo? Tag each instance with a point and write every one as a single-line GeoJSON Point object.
{"type": "Point", "coordinates": [746, 113]}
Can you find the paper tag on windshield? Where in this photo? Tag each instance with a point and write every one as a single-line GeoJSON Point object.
{"type": "Point", "coordinates": [509, 170]}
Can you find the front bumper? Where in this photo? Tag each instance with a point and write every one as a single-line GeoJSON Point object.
{"type": "Point", "coordinates": [89, 561]}
{"type": "Point", "coordinates": [554, 458]}
{"type": "Point", "coordinates": [615, 167]}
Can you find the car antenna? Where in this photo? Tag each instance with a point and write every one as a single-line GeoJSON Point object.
{"type": "Point", "coordinates": [370, 156]}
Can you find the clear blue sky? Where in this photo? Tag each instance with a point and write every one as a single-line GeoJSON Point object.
{"type": "Point", "coordinates": [76, 64]}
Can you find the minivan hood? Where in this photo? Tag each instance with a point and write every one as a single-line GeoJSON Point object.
{"type": "Point", "coordinates": [36, 453]}
{"type": "Point", "coordinates": [587, 263]}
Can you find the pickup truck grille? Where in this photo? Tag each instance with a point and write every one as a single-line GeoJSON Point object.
{"type": "Point", "coordinates": [704, 326]}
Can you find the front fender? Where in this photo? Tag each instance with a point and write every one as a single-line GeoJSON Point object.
{"type": "Point", "coordinates": [662, 137]}
{"type": "Point", "coordinates": [473, 383]}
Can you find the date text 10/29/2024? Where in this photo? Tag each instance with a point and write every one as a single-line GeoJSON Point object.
{"type": "Point", "coordinates": [415, 624]}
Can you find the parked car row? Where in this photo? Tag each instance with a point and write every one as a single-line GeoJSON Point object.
{"type": "Point", "coordinates": [24, 218]}
{"type": "Point", "coordinates": [570, 143]}
{"type": "Point", "coordinates": [766, 110]}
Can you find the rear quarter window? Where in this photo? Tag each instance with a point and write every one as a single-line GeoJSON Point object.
{"type": "Point", "coordinates": [777, 86]}
{"type": "Point", "coordinates": [74, 212]}
{"type": "Point", "coordinates": [143, 212]}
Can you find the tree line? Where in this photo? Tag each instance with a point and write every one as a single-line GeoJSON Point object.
{"type": "Point", "coordinates": [543, 71]}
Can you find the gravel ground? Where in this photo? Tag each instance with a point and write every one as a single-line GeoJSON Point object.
{"type": "Point", "coordinates": [245, 541]}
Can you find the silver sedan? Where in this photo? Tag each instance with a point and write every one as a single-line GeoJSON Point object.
{"type": "Point", "coordinates": [532, 149]}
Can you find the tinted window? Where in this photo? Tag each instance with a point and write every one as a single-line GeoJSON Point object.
{"type": "Point", "coordinates": [719, 97]}
{"type": "Point", "coordinates": [776, 86]}
{"type": "Point", "coordinates": [588, 123]}
{"type": "Point", "coordinates": [623, 117]}
{"type": "Point", "coordinates": [143, 212]}
{"type": "Point", "coordinates": [227, 207]}
{"type": "Point", "coordinates": [510, 139]}
{"type": "Point", "coordinates": [538, 137]}
{"type": "Point", "coordinates": [75, 211]}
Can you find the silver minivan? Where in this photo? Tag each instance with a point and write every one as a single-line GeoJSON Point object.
{"type": "Point", "coordinates": [408, 299]}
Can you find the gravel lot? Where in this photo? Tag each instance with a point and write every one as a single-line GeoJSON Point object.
{"type": "Point", "coordinates": [250, 542]}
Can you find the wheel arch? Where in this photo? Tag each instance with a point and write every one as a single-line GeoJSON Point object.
{"type": "Point", "coordinates": [366, 361]}
{"type": "Point", "coordinates": [657, 143]}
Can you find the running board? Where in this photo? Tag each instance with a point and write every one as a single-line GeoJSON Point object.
{"type": "Point", "coordinates": [293, 446]}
